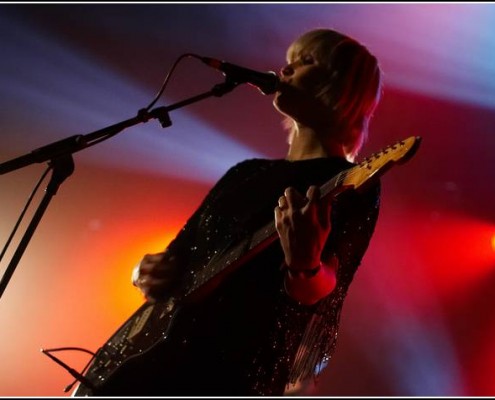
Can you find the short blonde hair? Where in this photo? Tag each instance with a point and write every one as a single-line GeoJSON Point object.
{"type": "Point", "coordinates": [353, 88]}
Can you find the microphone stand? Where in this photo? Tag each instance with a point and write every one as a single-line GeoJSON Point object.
{"type": "Point", "coordinates": [59, 157]}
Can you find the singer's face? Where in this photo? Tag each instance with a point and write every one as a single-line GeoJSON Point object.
{"type": "Point", "coordinates": [301, 81]}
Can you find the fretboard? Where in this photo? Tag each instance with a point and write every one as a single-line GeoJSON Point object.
{"type": "Point", "coordinates": [241, 252]}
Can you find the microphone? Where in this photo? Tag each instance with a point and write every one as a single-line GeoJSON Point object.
{"type": "Point", "coordinates": [266, 82]}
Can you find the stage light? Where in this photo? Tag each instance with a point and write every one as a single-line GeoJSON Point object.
{"type": "Point", "coordinates": [69, 93]}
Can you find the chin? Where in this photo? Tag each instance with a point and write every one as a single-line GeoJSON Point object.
{"type": "Point", "coordinates": [276, 102]}
{"type": "Point", "coordinates": [281, 104]}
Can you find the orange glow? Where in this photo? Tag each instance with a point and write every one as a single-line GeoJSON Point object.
{"type": "Point", "coordinates": [493, 242]}
{"type": "Point", "coordinates": [129, 258]}
{"type": "Point", "coordinates": [74, 287]}
{"type": "Point", "coordinates": [124, 297]}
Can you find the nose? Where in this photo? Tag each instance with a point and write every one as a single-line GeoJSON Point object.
{"type": "Point", "coordinates": [287, 70]}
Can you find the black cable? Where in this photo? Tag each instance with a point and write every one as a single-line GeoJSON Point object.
{"type": "Point", "coordinates": [30, 198]}
{"type": "Point", "coordinates": [79, 376]}
{"type": "Point", "coordinates": [167, 78]}
{"type": "Point", "coordinates": [145, 111]}
{"type": "Point", "coordinates": [68, 348]}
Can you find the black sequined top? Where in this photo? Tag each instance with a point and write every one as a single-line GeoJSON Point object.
{"type": "Point", "coordinates": [247, 337]}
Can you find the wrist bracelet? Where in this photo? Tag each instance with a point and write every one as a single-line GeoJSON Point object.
{"type": "Point", "coordinates": [302, 273]}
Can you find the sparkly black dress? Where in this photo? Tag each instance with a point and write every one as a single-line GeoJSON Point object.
{"type": "Point", "coordinates": [247, 337]}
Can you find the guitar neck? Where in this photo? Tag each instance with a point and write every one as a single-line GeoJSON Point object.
{"type": "Point", "coordinates": [247, 248]}
{"type": "Point", "coordinates": [353, 177]}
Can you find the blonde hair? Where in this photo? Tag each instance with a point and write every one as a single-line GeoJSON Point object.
{"type": "Point", "coordinates": [353, 88]}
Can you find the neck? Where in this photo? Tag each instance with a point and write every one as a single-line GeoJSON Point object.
{"type": "Point", "coordinates": [307, 143]}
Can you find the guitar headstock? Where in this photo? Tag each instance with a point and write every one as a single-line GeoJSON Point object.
{"type": "Point", "coordinates": [379, 162]}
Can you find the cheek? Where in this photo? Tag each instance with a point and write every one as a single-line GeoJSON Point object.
{"type": "Point", "coordinates": [311, 80]}
{"type": "Point", "coordinates": [312, 85]}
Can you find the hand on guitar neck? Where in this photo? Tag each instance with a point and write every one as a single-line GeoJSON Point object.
{"type": "Point", "coordinates": [303, 225]}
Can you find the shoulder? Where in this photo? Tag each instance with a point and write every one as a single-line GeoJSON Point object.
{"type": "Point", "coordinates": [249, 165]}
{"type": "Point", "coordinates": [254, 163]}
{"type": "Point", "coordinates": [242, 170]}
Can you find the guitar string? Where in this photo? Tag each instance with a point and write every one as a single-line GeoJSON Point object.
{"type": "Point", "coordinates": [201, 277]}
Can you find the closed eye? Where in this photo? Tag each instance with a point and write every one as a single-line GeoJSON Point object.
{"type": "Point", "coordinates": [307, 59]}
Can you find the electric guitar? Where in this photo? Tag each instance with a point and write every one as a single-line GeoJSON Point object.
{"type": "Point", "coordinates": [150, 325]}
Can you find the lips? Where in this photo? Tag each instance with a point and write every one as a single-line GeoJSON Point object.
{"type": "Point", "coordinates": [284, 85]}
